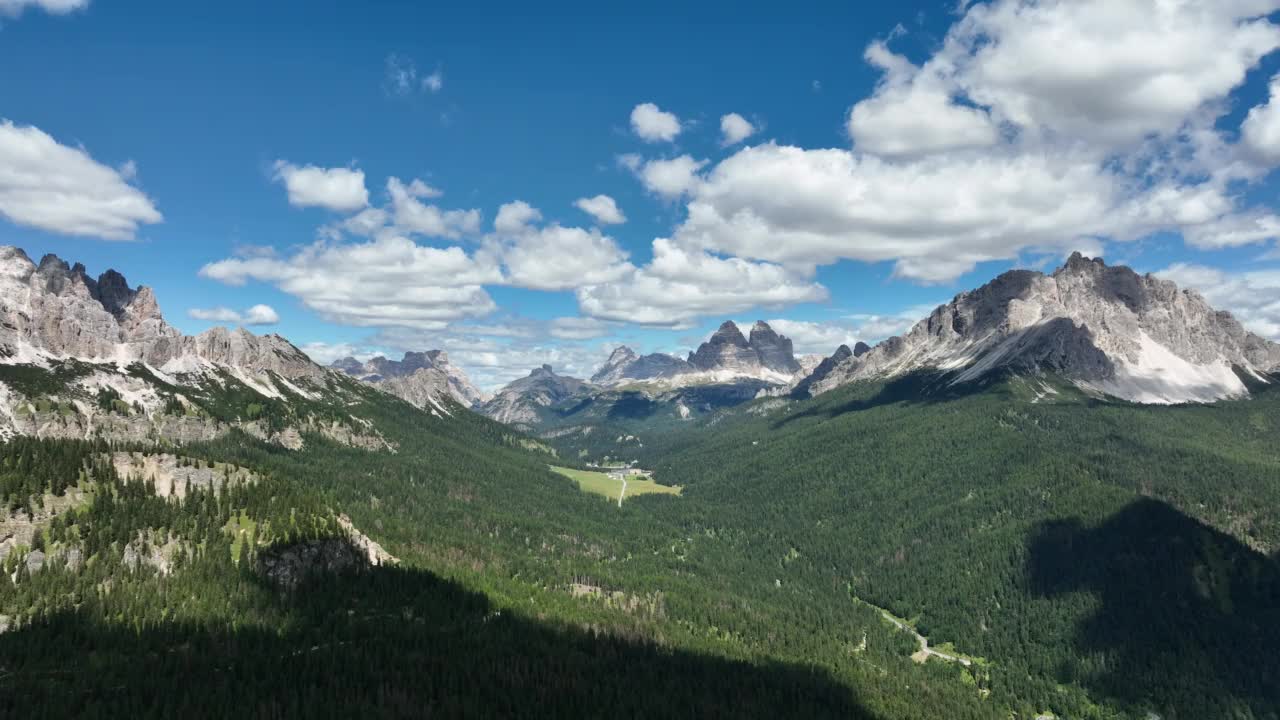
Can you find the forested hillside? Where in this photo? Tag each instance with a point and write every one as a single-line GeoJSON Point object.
{"type": "Point", "coordinates": [1081, 558]}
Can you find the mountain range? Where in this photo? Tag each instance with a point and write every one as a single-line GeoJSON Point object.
{"type": "Point", "coordinates": [994, 515]}
{"type": "Point", "coordinates": [87, 357]}
{"type": "Point", "coordinates": [1106, 331]}
{"type": "Point", "coordinates": [420, 377]}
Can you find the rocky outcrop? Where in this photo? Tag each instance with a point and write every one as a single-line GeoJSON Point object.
{"type": "Point", "coordinates": [774, 350]}
{"type": "Point", "coordinates": [100, 361]}
{"type": "Point", "coordinates": [624, 366]}
{"type": "Point", "coordinates": [288, 566]}
{"type": "Point", "coordinates": [420, 378]}
{"type": "Point", "coordinates": [726, 349]}
{"type": "Point", "coordinates": [54, 310]}
{"type": "Point", "coordinates": [1108, 329]}
{"type": "Point", "coordinates": [19, 528]}
{"type": "Point", "coordinates": [818, 377]}
{"type": "Point", "coordinates": [520, 402]}
{"type": "Point", "coordinates": [726, 356]}
{"type": "Point", "coordinates": [175, 476]}
{"type": "Point", "coordinates": [615, 368]}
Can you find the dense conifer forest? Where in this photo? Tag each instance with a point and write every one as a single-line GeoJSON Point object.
{"type": "Point", "coordinates": [1074, 557]}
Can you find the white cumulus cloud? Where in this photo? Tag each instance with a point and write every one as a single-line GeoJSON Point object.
{"type": "Point", "coordinates": [14, 8]}
{"type": "Point", "coordinates": [50, 186]}
{"type": "Point", "coordinates": [388, 281]}
{"type": "Point", "coordinates": [652, 124]}
{"type": "Point", "coordinates": [734, 129]}
{"type": "Point", "coordinates": [672, 178]}
{"type": "Point", "coordinates": [602, 208]}
{"type": "Point", "coordinates": [514, 217]}
{"type": "Point", "coordinates": [1261, 129]}
{"type": "Point", "coordinates": [256, 315]}
{"type": "Point", "coordinates": [680, 285]}
{"type": "Point", "coordinates": [338, 189]}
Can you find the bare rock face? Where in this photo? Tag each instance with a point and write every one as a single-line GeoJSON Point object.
{"type": "Point", "coordinates": [624, 366]}
{"type": "Point", "coordinates": [726, 349]}
{"type": "Point", "coordinates": [726, 356]}
{"type": "Point", "coordinates": [520, 401]}
{"type": "Point", "coordinates": [102, 338]}
{"type": "Point", "coordinates": [53, 310]}
{"type": "Point", "coordinates": [1108, 329]}
{"type": "Point", "coordinates": [774, 351]}
{"type": "Point", "coordinates": [420, 378]}
{"type": "Point", "coordinates": [175, 476]}
{"type": "Point", "coordinates": [615, 368]}
{"type": "Point", "coordinates": [824, 370]}
{"type": "Point", "coordinates": [59, 309]}
{"type": "Point", "coordinates": [286, 567]}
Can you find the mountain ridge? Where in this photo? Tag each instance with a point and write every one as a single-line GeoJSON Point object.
{"type": "Point", "coordinates": [726, 355]}
{"type": "Point", "coordinates": [421, 378]}
{"type": "Point", "coordinates": [1107, 329]}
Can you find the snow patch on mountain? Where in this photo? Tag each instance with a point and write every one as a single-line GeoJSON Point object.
{"type": "Point", "coordinates": [1107, 329]}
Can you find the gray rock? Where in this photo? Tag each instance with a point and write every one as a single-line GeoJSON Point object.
{"type": "Point", "coordinates": [419, 378]}
{"type": "Point", "coordinates": [824, 370]}
{"type": "Point", "coordinates": [624, 365]}
{"type": "Point", "coordinates": [1108, 329]}
{"type": "Point", "coordinates": [774, 351]}
{"type": "Point", "coordinates": [519, 402]}
{"type": "Point", "coordinates": [726, 349]}
{"type": "Point", "coordinates": [35, 561]}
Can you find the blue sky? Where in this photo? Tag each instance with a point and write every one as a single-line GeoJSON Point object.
{"type": "Point", "coordinates": [896, 155]}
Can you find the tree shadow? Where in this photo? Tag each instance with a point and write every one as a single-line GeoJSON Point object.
{"type": "Point", "coordinates": [1188, 618]}
{"type": "Point", "coordinates": [383, 642]}
{"type": "Point", "coordinates": [917, 388]}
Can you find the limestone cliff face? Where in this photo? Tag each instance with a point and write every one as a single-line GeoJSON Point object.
{"type": "Point", "coordinates": [55, 311]}
{"type": "Point", "coordinates": [99, 337]}
{"type": "Point", "coordinates": [519, 402]}
{"type": "Point", "coordinates": [725, 356]}
{"type": "Point", "coordinates": [419, 378]}
{"type": "Point", "coordinates": [726, 349]}
{"type": "Point", "coordinates": [1108, 329]}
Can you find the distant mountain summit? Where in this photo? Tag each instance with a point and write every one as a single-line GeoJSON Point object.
{"type": "Point", "coordinates": [624, 365]}
{"type": "Point", "coordinates": [521, 402]}
{"type": "Point", "coordinates": [420, 378]}
{"type": "Point", "coordinates": [84, 357]}
{"type": "Point", "coordinates": [726, 355]}
{"type": "Point", "coordinates": [1107, 329]}
{"type": "Point", "coordinates": [54, 311]}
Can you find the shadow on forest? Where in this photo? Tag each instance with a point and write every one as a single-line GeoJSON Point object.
{"type": "Point", "coordinates": [389, 642]}
{"type": "Point", "coordinates": [1189, 617]}
{"type": "Point", "coordinates": [918, 388]}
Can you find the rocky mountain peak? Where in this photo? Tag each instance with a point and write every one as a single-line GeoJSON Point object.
{"type": "Point", "coordinates": [55, 310]}
{"type": "Point", "coordinates": [621, 354]}
{"type": "Point", "coordinates": [859, 349]}
{"type": "Point", "coordinates": [727, 349]}
{"type": "Point", "coordinates": [624, 365]}
{"type": "Point", "coordinates": [1106, 328]}
{"type": "Point", "coordinates": [728, 334]}
{"type": "Point", "coordinates": [419, 377]}
{"type": "Point", "coordinates": [775, 351]}
{"type": "Point", "coordinates": [113, 291]}
{"type": "Point", "coordinates": [348, 365]}
{"type": "Point", "coordinates": [521, 400]}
